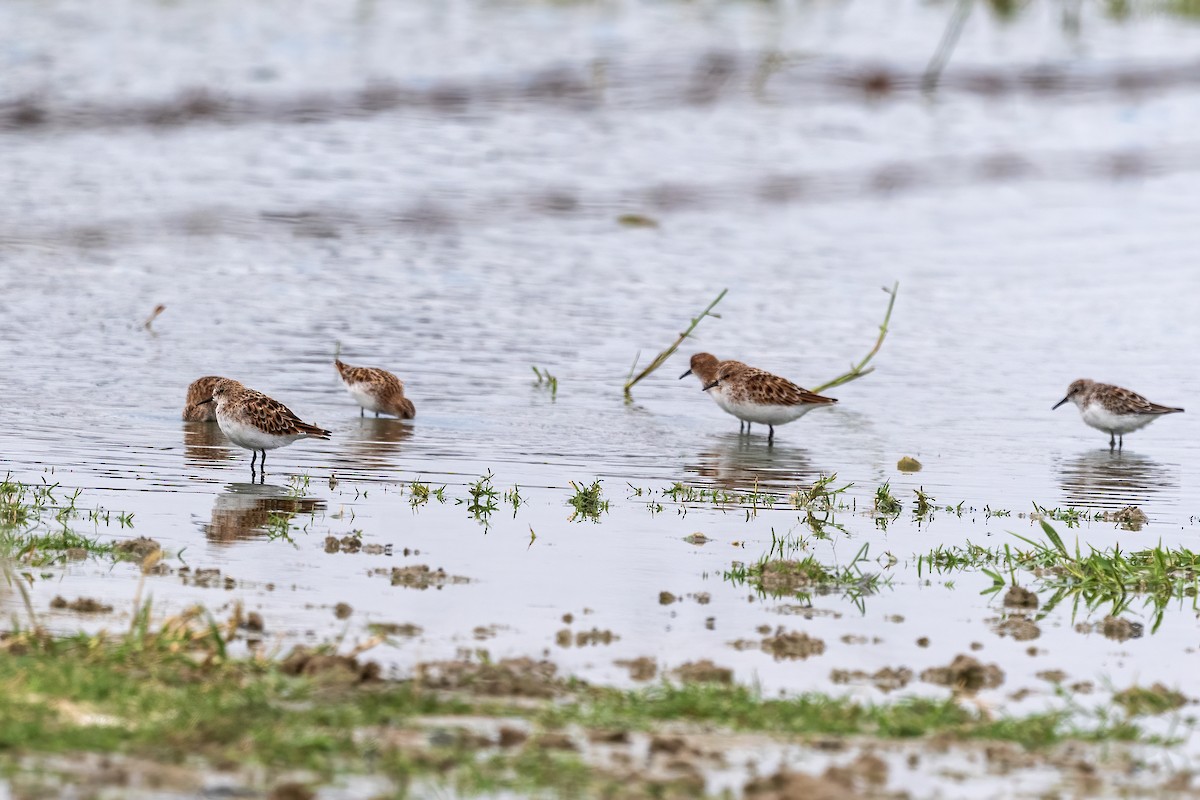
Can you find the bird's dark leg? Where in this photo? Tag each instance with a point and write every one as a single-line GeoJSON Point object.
{"type": "Point", "coordinates": [747, 427]}
{"type": "Point", "coordinates": [1121, 442]}
{"type": "Point", "coordinates": [771, 434]}
{"type": "Point", "coordinates": [376, 415]}
{"type": "Point", "coordinates": [362, 412]}
{"type": "Point", "coordinates": [1112, 440]}
{"type": "Point", "coordinates": [253, 456]}
{"type": "Point", "coordinates": [262, 465]}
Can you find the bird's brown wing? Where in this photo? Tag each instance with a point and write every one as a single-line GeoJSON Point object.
{"type": "Point", "coordinates": [275, 418]}
{"type": "Point", "coordinates": [374, 375]}
{"type": "Point", "coordinates": [1123, 401]}
{"type": "Point", "coordinates": [763, 387]}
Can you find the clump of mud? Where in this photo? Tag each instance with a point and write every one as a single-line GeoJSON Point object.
{"type": "Point", "coordinates": [966, 674]}
{"type": "Point", "coordinates": [1156, 699]}
{"type": "Point", "coordinates": [138, 548]}
{"type": "Point", "coordinates": [665, 598]}
{"type": "Point", "coordinates": [1130, 518]}
{"type": "Point", "coordinates": [509, 677]}
{"type": "Point", "coordinates": [1019, 597]}
{"type": "Point", "coordinates": [642, 668]}
{"type": "Point", "coordinates": [592, 638]}
{"type": "Point", "coordinates": [908, 464]}
{"type": "Point", "coordinates": [346, 544]}
{"type": "Point", "coordinates": [703, 671]}
{"type": "Point", "coordinates": [420, 576]}
{"type": "Point", "coordinates": [328, 666]}
{"type": "Point", "coordinates": [887, 679]}
{"type": "Point", "coordinates": [82, 605]}
{"type": "Point", "coordinates": [857, 779]}
{"type": "Point", "coordinates": [783, 644]}
{"type": "Point", "coordinates": [405, 629]}
{"type": "Point", "coordinates": [1115, 628]}
{"type": "Point", "coordinates": [206, 578]}
{"type": "Point", "coordinates": [1018, 626]}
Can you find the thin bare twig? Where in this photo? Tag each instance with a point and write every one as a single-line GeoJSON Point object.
{"type": "Point", "coordinates": [661, 358]}
{"type": "Point", "coordinates": [857, 370]}
{"type": "Point", "coordinates": [933, 72]}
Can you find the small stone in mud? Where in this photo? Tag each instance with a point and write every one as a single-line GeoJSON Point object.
{"type": "Point", "coordinates": [563, 638]}
{"type": "Point", "coordinates": [976, 646]}
{"type": "Point", "coordinates": [343, 610]}
{"type": "Point", "coordinates": [697, 539]}
{"type": "Point", "coordinates": [893, 618]}
{"type": "Point", "coordinates": [568, 618]}
{"type": "Point", "coordinates": [137, 548]}
{"type": "Point", "coordinates": [1019, 597]}
{"type": "Point", "coordinates": [665, 598]}
{"type": "Point", "coordinates": [1052, 675]}
{"type": "Point", "coordinates": [253, 622]}
{"type": "Point", "coordinates": [923, 641]}
{"type": "Point", "coordinates": [703, 598]}
{"type": "Point", "coordinates": [346, 544]}
{"type": "Point", "coordinates": [703, 671]}
{"type": "Point", "coordinates": [642, 668]}
{"type": "Point", "coordinates": [965, 673]}
{"type": "Point", "coordinates": [82, 605]}
{"type": "Point", "coordinates": [908, 464]}
{"type": "Point", "coordinates": [710, 623]}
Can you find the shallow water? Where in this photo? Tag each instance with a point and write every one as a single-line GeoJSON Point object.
{"type": "Point", "coordinates": [457, 239]}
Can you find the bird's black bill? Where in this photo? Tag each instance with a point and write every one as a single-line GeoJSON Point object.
{"type": "Point", "coordinates": [712, 385]}
{"type": "Point", "coordinates": [1060, 402]}
{"type": "Point", "coordinates": [202, 402]}
{"type": "Point", "coordinates": [684, 375]}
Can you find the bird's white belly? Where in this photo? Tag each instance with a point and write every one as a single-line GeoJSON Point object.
{"type": "Point", "coordinates": [250, 437]}
{"type": "Point", "coordinates": [767, 414]}
{"type": "Point", "coordinates": [719, 398]}
{"type": "Point", "coordinates": [363, 397]}
{"type": "Point", "coordinates": [1101, 418]}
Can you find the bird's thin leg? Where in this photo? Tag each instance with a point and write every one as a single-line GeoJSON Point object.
{"type": "Point", "coordinates": [1112, 440]}
{"type": "Point", "coordinates": [376, 415]}
{"type": "Point", "coordinates": [747, 427]}
{"type": "Point", "coordinates": [262, 465]}
{"type": "Point", "coordinates": [771, 434]}
{"type": "Point", "coordinates": [253, 455]}
{"type": "Point", "coordinates": [362, 412]}
{"type": "Point", "coordinates": [1121, 442]}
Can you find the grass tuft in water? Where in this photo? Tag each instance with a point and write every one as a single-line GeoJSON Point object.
{"type": "Point", "coordinates": [544, 378]}
{"type": "Point", "coordinates": [587, 501]}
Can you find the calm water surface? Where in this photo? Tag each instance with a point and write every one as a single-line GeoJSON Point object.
{"type": "Point", "coordinates": [1037, 237]}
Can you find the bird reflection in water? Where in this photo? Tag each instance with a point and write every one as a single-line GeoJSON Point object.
{"type": "Point", "coordinates": [1113, 479]}
{"type": "Point", "coordinates": [737, 463]}
{"type": "Point", "coordinates": [375, 441]}
{"type": "Point", "coordinates": [204, 442]}
{"type": "Point", "coordinates": [255, 510]}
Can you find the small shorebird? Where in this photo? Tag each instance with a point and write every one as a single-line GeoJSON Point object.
{"type": "Point", "coordinates": [376, 390]}
{"type": "Point", "coordinates": [753, 395]}
{"type": "Point", "coordinates": [1112, 409]}
{"type": "Point", "coordinates": [256, 422]}
{"type": "Point", "coordinates": [197, 408]}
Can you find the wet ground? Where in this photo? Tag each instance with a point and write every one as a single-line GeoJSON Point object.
{"type": "Point", "coordinates": [441, 191]}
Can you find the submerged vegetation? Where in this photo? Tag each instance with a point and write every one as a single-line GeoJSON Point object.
{"type": "Point", "coordinates": [588, 502]}
{"type": "Point", "coordinates": [1110, 576]}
